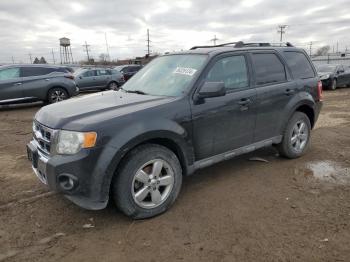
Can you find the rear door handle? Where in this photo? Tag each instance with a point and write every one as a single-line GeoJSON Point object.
{"type": "Point", "coordinates": [18, 84]}
{"type": "Point", "coordinates": [47, 79]}
{"type": "Point", "coordinates": [289, 92]}
{"type": "Point", "coordinates": [244, 101]}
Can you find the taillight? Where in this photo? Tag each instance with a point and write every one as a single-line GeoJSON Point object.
{"type": "Point", "coordinates": [319, 91]}
{"type": "Point", "coordinates": [69, 76]}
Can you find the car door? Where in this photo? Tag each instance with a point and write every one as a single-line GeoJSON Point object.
{"type": "Point", "coordinates": [35, 80]}
{"type": "Point", "coordinates": [87, 79]}
{"type": "Point", "coordinates": [221, 124]}
{"type": "Point", "coordinates": [102, 78]}
{"type": "Point", "coordinates": [274, 90]}
{"type": "Point", "coordinates": [10, 84]}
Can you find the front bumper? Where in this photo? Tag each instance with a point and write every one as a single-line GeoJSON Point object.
{"type": "Point", "coordinates": [89, 191]}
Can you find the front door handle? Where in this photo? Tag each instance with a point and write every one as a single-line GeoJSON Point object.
{"type": "Point", "coordinates": [289, 92]}
{"type": "Point", "coordinates": [18, 84]}
{"type": "Point", "coordinates": [244, 101]}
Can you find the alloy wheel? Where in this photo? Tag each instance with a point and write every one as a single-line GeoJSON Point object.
{"type": "Point", "coordinates": [300, 136]}
{"type": "Point", "coordinates": [152, 184]}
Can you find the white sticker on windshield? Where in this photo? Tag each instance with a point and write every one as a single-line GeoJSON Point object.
{"type": "Point", "coordinates": [185, 71]}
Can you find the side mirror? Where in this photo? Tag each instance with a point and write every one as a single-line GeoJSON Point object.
{"type": "Point", "coordinates": [212, 89]}
{"type": "Point", "coordinates": [80, 77]}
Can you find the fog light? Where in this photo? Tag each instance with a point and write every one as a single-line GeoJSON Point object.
{"type": "Point", "coordinates": [67, 182]}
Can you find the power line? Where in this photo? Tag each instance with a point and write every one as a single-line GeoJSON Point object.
{"type": "Point", "coordinates": [86, 46]}
{"type": "Point", "coordinates": [282, 31]}
{"type": "Point", "coordinates": [214, 40]}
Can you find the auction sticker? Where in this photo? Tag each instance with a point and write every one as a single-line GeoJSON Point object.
{"type": "Point", "coordinates": [185, 71]}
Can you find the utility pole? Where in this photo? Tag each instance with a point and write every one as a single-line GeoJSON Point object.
{"type": "Point", "coordinates": [214, 40]}
{"type": "Point", "coordinates": [53, 56]}
{"type": "Point", "coordinates": [30, 57]}
{"type": "Point", "coordinates": [13, 60]}
{"type": "Point", "coordinates": [107, 48]}
{"type": "Point", "coordinates": [148, 42]}
{"type": "Point", "coordinates": [281, 31]}
{"type": "Point", "coordinates": [310, 48]}
{"type": "Point", "coordinates": [337, 47]}
{"type": "Point", "coordinates": [86, 46]}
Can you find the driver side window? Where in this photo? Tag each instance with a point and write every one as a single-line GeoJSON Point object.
{"type": "Point", "coordinates": [230, 70]}
{"type": "Point", "coordinates": [89, 73]}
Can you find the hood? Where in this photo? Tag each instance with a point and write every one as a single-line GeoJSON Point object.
{"type": "Point", "coordinates": [78, 112]}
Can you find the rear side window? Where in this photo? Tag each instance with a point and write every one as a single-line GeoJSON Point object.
{"type": "Point", "coordinates": [299, 65]}
{"type": "Point", "coordinates": [38, 71]}
{"type": "Point", "coordinates": [268, 69]}
{"type": "Point", "coordinates": [103, 72]}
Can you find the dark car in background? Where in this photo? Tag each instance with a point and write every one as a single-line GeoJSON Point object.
{"type": "Point", "coordinates": [26, 83]}
{"type": "Point", "coordinates": [128, 70]}
{"type": "Point", "coordinates": [98, 79]}
{"type": "Point", "coordinates": [333, 76]}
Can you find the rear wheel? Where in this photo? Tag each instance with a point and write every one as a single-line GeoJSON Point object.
{"type": "Point", "coordinates": [113, 86]}
{"type": "Point", "coordinates": [148, 181]}
{"type": "Point", "coordinates": [57, 94]}
{"type": "Point", "coordinates": [296, 137]}
{"type": "Point", "coordinates": [334, 84]}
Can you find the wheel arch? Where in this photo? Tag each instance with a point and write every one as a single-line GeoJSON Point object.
{"type": "Point", "coordinates": [56, 86]}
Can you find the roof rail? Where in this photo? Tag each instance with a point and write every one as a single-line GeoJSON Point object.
{"type": "Point", "coordinates": [242, 44]}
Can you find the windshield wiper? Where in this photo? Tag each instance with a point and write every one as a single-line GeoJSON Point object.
{"type": "Point", "coordinates": [139, 92]}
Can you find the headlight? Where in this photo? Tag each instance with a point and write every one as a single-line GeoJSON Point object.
{"type": "Point", "coordinates": [70, 142]}
{"type": "Point", "coordinates": [324, 77]}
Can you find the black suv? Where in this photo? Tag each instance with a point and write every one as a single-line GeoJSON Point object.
{"type": "Point", "coordinates": [182, 112]}
{"type": "Point", "coordinates": [26, 83]}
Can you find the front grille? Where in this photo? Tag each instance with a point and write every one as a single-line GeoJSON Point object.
{"type": "Point", "coordinates": [43, 136]}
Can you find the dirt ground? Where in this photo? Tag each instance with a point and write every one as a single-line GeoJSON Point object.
{"type": "Point", "coordinates": [239, 210]}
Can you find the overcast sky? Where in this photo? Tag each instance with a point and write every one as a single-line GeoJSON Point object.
{"type": "Point", "coordinates": [35, 26]}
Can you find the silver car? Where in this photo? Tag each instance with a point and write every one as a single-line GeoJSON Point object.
{"type": "Point", "coordinates": [98, 79]}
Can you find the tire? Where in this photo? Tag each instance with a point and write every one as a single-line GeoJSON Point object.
{"type": "Point", "coordinates": [57, 94]}
{"type": "Point", "coordinates": [143, 196]}
{"type": "Point", "coordinates": [334, 84]}
{"type": "Point", "coordinates": [113, 86]}
{"type": "Point", "coordinates": [295, 134]}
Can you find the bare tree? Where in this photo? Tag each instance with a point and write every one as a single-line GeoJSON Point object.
{"type": "Point", "coordinates": [322, 50]}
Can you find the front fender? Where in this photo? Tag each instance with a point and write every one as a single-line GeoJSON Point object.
{"type": "Point", "coordinates": [135, 134]}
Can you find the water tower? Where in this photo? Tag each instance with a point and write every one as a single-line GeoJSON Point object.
{"type": "Point", "coordinates": [65, 51]}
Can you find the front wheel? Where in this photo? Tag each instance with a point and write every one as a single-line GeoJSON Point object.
{"type": "Point", "coordinates": [296, 137]}
{"type": "Point", "coordinates": [57, 94]}
{"type": "Point", "coordinates": [148, 181]}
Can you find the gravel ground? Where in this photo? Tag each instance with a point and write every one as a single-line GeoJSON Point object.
{"type": "Point", "coordinates": [238, 210]}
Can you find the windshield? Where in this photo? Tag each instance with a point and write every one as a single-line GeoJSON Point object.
{"type": "Point", "coordinates": [326, 68]}
{"type": "Point", "coordinates": [166, 75]}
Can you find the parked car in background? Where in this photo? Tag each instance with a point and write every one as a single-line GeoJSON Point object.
{"type": "Point", "coordinates": [182, 112]}
{"type": "Point", "coordinates": [25, 83]}
{"type": "Point", "coordinates": [98, 79]}
{"type": "Point", "coordinates": [333, 76]}
{"type": "Point", "coordinates": [128, 70]}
